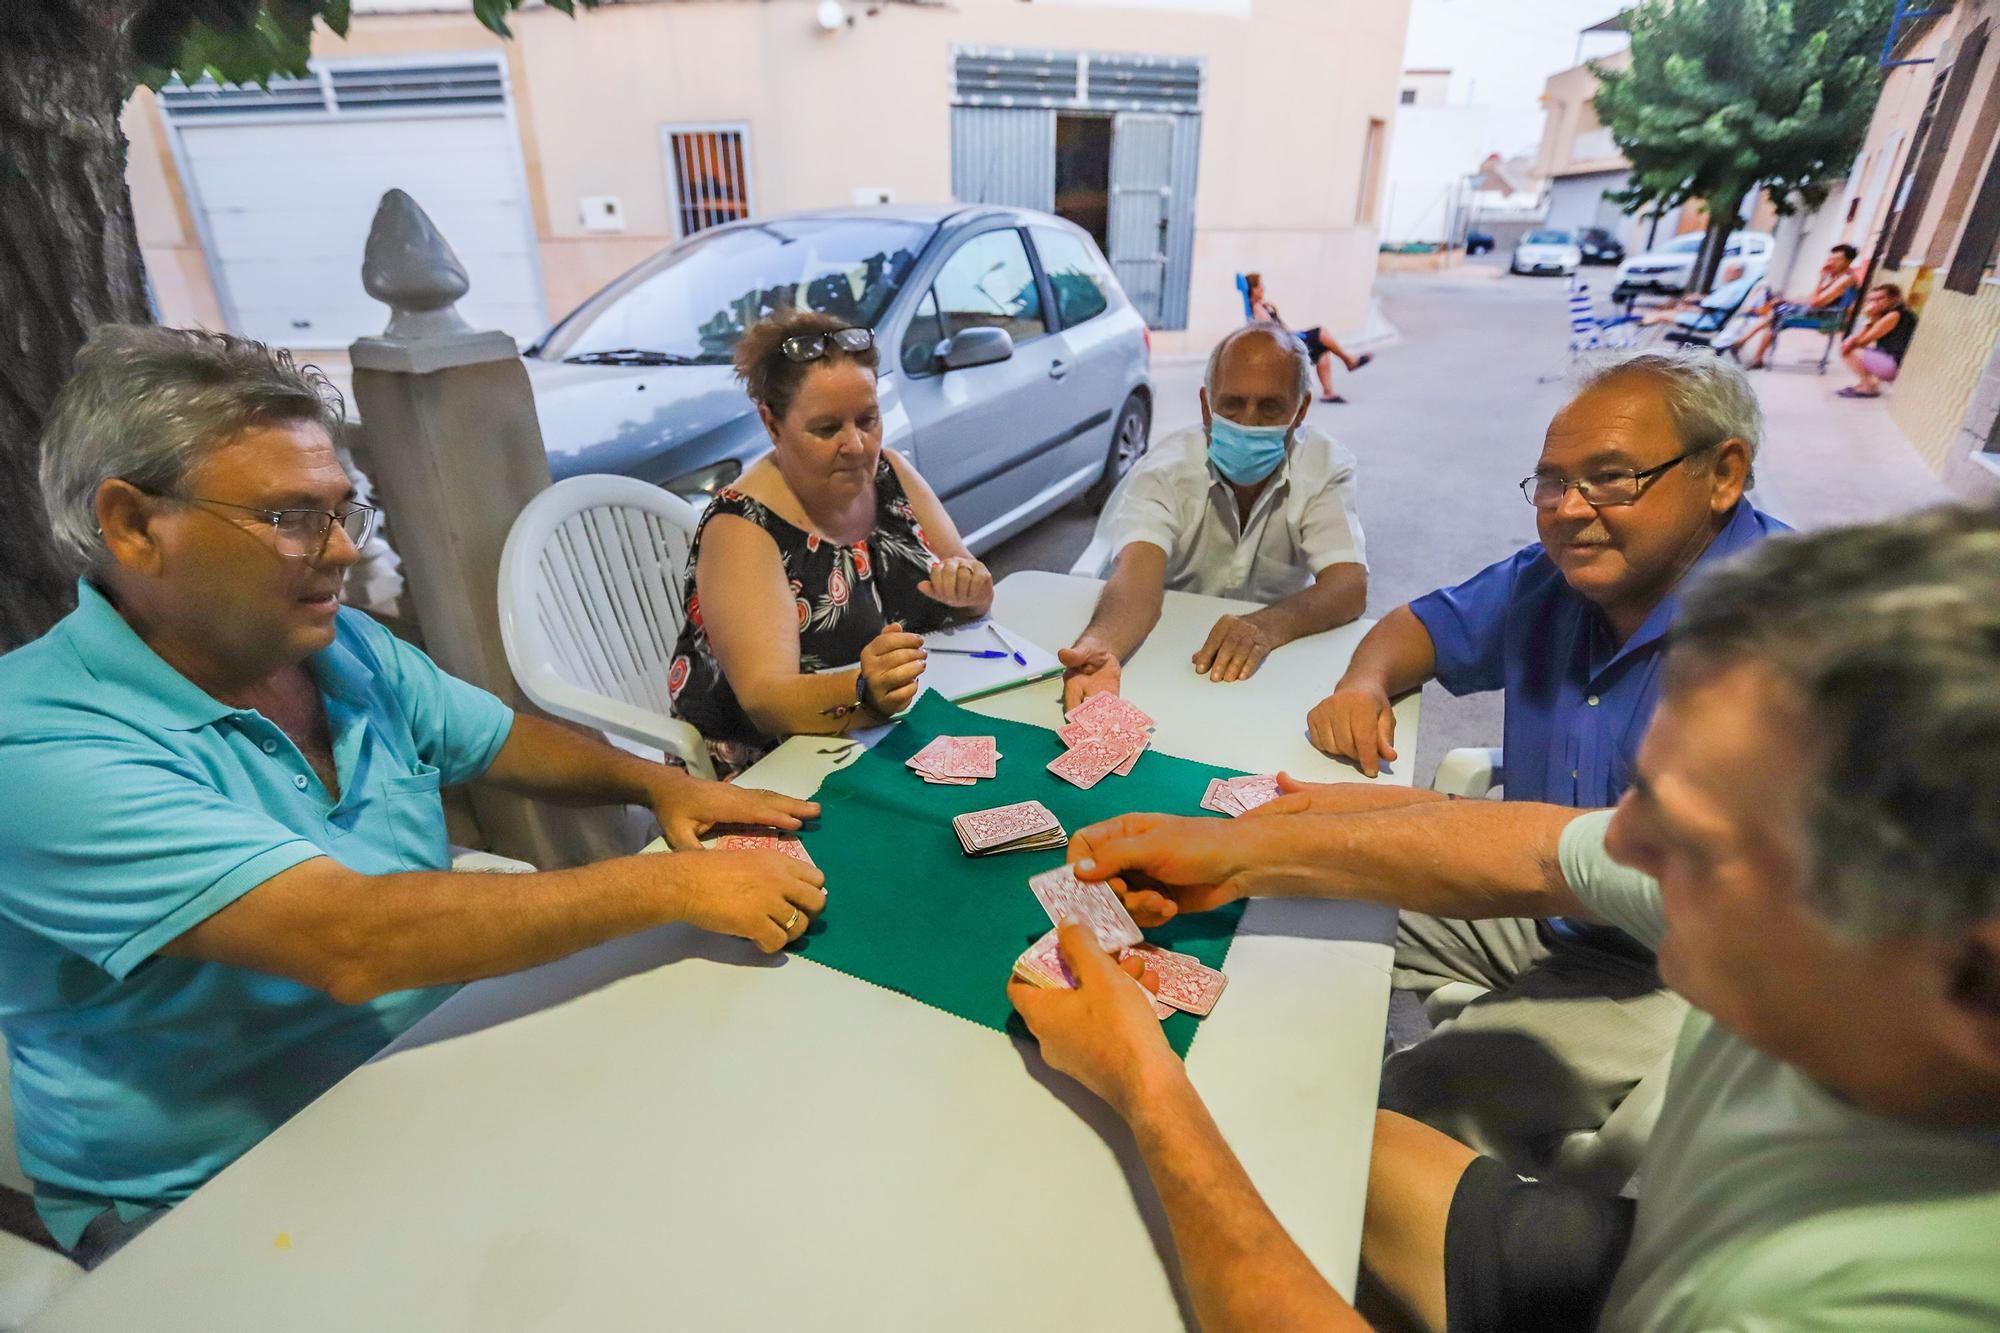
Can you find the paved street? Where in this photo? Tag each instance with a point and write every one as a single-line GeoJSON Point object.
{"type": "Point", "coordinates": [1448, 419]}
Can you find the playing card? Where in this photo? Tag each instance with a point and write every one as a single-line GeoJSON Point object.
{"type": "Point", "coordinates": [1185, 983]}
{"type": "Point", "coordinates": [1086, 765]}
{"type": "Point", "coordinates": [1219, 799]}
{"type": "Point", "coordinates": [1106, 709]}
{"type": "Point", "coordinates": [1253, 791]}
{"type": "Point", "coordinates": [956, 760]}
{"type": "Point", "coordinates": [983, 829]}
{"type": "Point", "coordinates": [749, 842]}
{"type": "Point", "coordinates": [1063, 895]}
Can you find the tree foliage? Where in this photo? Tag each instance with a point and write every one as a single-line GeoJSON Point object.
{"type": "Point", "coordinates": [70, 260]}
{"type": "Point", "coordinates": [1723, 97]}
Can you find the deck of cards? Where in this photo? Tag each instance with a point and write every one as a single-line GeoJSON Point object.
{"type": "Point", "coordinates": [956, 761]}
{"type": "Point", "coordinates": [755, 842]}
{"type": "Point", "coordinates": [1239, 796]}
{"type": "Point", "coordinates": [1104, 734]}
{"type": "Point", "coordinates": [1027, 826]}
{"type": "Point", "coordinates": [1186, 984]}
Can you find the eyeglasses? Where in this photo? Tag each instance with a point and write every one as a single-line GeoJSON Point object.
{"type": "Point", "coordinates": [298, 534]}
{"type": "Point", "coordinates": [802, 347]}
{"type": "Point", "coordinates": [1606, 490]}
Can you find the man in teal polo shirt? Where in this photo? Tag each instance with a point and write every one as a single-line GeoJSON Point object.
{"type": "Point", "coordinates": [223, 870]}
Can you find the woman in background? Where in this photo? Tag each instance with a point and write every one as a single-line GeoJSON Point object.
{"type": "Point", "coordinates": [811, 580]}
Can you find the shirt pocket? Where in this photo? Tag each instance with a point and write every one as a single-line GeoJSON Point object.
{"type": "Point", "coordinates": [412, 805]}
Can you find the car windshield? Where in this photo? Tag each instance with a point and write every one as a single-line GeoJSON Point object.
{"type": "Point", "coordinates": [1682, 245]}
{"type": "Point", "coordinates": [691, 304]}
{"type": "Point", "coordinates": [1546, 237]}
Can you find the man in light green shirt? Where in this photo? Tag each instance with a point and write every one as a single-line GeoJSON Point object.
{"type": "Point", "coordinates": [1812, 844]}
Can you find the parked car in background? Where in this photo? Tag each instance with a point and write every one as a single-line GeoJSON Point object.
{"type": "Point", "coordinates": [1599, 246]}
{"type": "Point", "coordinates": [1667, 268]}
{"type": "Point", "coordinates": [1478, 243]}
{"type": "Point", "coordinates": [1546, 250]}
{"type": "Point", "coordinates": [1014, 371]}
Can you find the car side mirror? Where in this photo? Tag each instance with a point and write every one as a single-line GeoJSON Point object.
{"type": "Point", "coordinates": [975, 347]}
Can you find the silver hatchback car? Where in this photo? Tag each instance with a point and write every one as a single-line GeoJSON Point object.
{"type": "Point", "coordinates": [1014, 371]}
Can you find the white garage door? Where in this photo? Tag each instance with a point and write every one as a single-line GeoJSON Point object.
{"type": "Point", "coordinates": [287, 180]}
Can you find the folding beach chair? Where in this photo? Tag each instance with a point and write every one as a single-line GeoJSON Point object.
{"type": "Point", "coordinates": [1588, 333]}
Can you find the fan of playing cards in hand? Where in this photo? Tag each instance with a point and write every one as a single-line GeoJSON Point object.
{"type": "Point", "coordinates": [1185, 983]}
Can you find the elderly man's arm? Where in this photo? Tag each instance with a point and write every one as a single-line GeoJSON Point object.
{"type": "Point", "coordinates": [1465, 859]}
{"type": "Point", "coordinates": [358, 936]}
{"type": "Point", "coordinates": [1237, 645]}
{"type": "Point", "coordinates": [550, 762]}
{"type": "Point", "coordinates": [1358, 720]}
{"type": "Point", "coordinates": [1126, 612]}
{"type": "Point", "coordinates": [1243, 1271]}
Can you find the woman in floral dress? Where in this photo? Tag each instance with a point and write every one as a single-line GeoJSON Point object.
{"type": "Point", "coordinates": [812, 579]}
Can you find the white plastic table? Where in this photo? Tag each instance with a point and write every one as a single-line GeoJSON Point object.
{"type": "Point", "coordinates": [672, 1131]}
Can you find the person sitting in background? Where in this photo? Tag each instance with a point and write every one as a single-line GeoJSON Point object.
{"type": "Point", "coordinates": [1837, 277]}
{"type": "Point", "coordinates": [1813, 846]}
{"type": "Point", "coordinates": [1875, 351]}
{"type": "Point", "coordinates": [1640, 482]}
{"type": "Point", "coordinates": [811, 581]}
{"type": "Point", "coordinates": [1321, 349]}
{"type": "Point", "coordinates": [224, 880]}
{"type": "Point", "coordinates": [1252, 504]}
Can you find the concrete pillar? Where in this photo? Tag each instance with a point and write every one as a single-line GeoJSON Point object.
{"type": "Point", "coordinates": [453, 444]}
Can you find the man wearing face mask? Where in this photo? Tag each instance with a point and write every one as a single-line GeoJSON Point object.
{"type": "Point", "coordinates": [1252, 504]}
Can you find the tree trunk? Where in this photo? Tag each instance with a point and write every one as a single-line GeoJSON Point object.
{"type": "Point", "coordinates": [1722, 220]}
{"type": "Point", "coordinates": [69, 260]}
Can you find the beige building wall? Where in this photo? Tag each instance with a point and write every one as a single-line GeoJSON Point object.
{"type": "Point", "coordinates": [1573, 141]}
{"type": "Point", "coordinates": [1288, 100]}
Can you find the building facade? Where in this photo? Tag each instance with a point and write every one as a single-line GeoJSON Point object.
{"type": "Point", "coordinates": [554, 161]}
{"type": "Point", "coordinates": [1930, 194]}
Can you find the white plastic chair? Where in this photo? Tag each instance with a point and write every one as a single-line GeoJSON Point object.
{"type": "Point", "coordinates": [30, 1276]}
{"type": "Point", "coordinates": [590, 606]}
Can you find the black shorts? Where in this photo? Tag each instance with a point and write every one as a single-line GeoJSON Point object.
{"type": "Point", "coordinates": [1520, 1255]}
{"type": "Point", "coordinates": [1315, 349]}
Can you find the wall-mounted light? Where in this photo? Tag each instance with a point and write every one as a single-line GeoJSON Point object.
{"type": "Point", "coordinates": [833, 15]}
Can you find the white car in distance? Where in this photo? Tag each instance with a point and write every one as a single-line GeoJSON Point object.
{"type": "Point", "coordinates": [1546, 250]}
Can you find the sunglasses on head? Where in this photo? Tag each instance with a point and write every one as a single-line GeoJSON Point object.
{"type": "Point", "coordinates": [813, 346]}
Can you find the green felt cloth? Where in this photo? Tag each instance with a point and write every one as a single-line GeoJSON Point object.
{"type": "Point", "coordinates": [909, 910]}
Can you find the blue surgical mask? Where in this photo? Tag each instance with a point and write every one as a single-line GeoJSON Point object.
{"type": "Point", "coordinates": [1245, 454]}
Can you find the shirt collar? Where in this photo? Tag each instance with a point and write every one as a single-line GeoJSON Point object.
{"type": "Point", "coordinates": [1741, 529]}
{"type": "Point", "coordinates": [146, 685]}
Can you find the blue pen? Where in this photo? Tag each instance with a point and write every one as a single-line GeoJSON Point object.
{"type": "Point", "coordinates": [968, 652]}
{"type": "Point", "coordinates": [1008, 643]}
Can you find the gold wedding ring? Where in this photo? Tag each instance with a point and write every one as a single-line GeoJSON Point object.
{"type": "Point", "coordinates": [790, 921]}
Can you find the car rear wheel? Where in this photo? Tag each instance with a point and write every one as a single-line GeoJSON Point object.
{"type": "Point", "coordinates": [1128, 446]}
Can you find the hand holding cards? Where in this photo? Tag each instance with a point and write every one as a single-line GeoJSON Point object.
{"type": "Point", "coordinates": [1185, 983]}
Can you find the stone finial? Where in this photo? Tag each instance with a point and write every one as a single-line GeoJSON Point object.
{"type": "Point", "coordinates": [411, 269]}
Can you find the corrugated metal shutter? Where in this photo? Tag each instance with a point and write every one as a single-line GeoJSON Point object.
{"type": "Point", "coordinates": [1143, 83]}
{"type": "Point", "coordinates": [1142, 159]}
{"type": "Point", "coordinates": [1003, 155]}
{"type": "Point", "coordinates": [1005, 76]}
{"type": "Point", "coordinates": [346, 87]}
{"type": "Point", "coordinates": [1180, 222]}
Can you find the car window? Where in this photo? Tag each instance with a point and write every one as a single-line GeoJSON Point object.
{"type": "Point", "coordinates": [1075, 272]}
{"type": "Point", "coordinates": [696, 299]}
{"type": "Point", "coordinates": [920, 340]}
{"type": "Point", "coordinates": [988, 283]}
{"type": "Point", "coordinates": [1548, 238]}
{"type": "Point", "coordinates": [1683, 245]}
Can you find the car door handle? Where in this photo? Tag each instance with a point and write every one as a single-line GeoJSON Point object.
{"type": "Point", "coordinates": [1058, 369]}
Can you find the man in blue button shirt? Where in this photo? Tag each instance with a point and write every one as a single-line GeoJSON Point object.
{"type": "Point", "coordinates": [1639, 485]}
{"type": "Point", "coordinates": [224, 880]}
